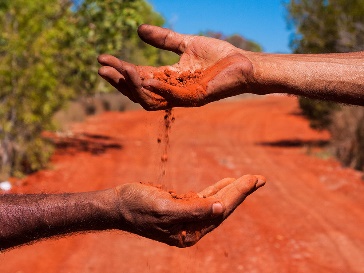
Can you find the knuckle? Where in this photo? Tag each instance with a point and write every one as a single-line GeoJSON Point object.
{"type": "Point", "coordinates": [185, 42]}
{"type": "Point", "coordinates": [168, 38]}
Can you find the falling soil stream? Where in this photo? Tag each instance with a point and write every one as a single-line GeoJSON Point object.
{"type": "Point", "coordinates": [164, 141]}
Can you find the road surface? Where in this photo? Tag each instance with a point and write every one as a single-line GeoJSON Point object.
{"type": "Point", "coordinates": [308, 218]}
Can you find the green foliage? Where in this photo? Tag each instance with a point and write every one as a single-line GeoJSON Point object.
{"type": "Point", "coordinates": [325, 26]}
{"type": "Point", "coordinates": [48, 52]}
{"type": "Point", "coordinates": [30, 88]}
{"type": "Point", "coordinates": [319, 113]}
{"type": "Point", "coordinates": [359, 134]}
{"type": "Point", "coordinates": [241, 42]}
{"type": "Point", "coordinates": [107, 26]}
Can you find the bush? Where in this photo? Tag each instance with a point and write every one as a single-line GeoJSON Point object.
{"type": "Point", "coordinates": [48, 51]}
{"type": "Point", "coordinates": [318, 112]}
{"type": "Point", "coordinates": [331, 27]}
{"type": "Point", "coordinates": [347, 130]}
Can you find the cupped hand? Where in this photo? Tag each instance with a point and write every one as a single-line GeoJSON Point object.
{"type": "Point", "coordinates": [218, 70]}
{"type": "Point", "coordinates": [181, 220]}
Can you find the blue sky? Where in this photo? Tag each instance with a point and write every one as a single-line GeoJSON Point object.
{"type": "Point", "coordinates": [260, 20]}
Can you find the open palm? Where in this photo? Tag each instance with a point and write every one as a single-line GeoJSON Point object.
{"type": "Point", "coordinates": [224, 71]}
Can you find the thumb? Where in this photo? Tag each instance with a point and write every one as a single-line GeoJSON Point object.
{"type": "Point", "coordinates": [235, 193]}
{"type": "Point", "coordinates": [198, 209]}
{"type": "Point", "coordinates": [163, 38]}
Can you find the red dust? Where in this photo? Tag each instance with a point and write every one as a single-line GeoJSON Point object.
{"type": "Point", "coordinates": [308, 217]}
{"type": "Point", "coordinates": [186, 196]}
{"type": "Point", "coordinates": [168, 119]}
{"type": "Point", "coordinates": [183, 79]}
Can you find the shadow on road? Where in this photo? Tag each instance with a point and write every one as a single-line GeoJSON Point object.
{"type": "Point", "coordinates": [91, 143]}
{"type": "Point", "coordinates": [294, 143]}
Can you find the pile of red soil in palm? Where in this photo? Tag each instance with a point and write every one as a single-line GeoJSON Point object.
{"type": "Point", "coordinates": [186, 196]}
{"type": "Point", "coordinates": [183, 79]}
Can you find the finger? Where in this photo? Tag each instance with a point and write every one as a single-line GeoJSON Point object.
{"type": "Point", "coordinates": [109, 60]}
{"type": "Point", "coordinates": [211, 190]}
{"type": "Point", "coordinates": [234, 194]}
{"type": "Point", "coordinates": [163, 89]}
{"type": "Point", "coordinates": [164, 38]}
{"type": "Point", "coordinates": [175, 95]}
{"type": "Point", "coordinates": [112, 76]}
{"type": "Point", "coordinates": [261, 181]}
{"type": "Point", "coordinates": [196, 209]}
{"type": "Point", "coordinates": [148, 100]}
{"type": "Point", "coordinates": [151, 101]}
{"type": "Point", "coordinates": [144, 71]}
{"type": "Point", "coordinates": [128, 70]}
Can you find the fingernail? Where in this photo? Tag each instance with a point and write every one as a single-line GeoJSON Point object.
{"type": "Point", "coordinates": [217, 208]}
{"type": "Point", "coordinates": [260, 183]}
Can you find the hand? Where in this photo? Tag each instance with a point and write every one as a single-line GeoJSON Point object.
{"type": "Point", "coordinates": [181, 220]}
{"type": "Point", "coordinates": [219, 70]}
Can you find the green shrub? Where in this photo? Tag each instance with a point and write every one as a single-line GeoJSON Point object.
{"type": "Point", "coordinates": [318, 112]}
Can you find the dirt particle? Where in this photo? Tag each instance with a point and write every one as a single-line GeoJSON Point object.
{"type": "Point", "coordinates": [183, 79]}
{"type": "Point", "coordinates": [187, 196]}
{"type": "Point", "coordinates": [173, 194]}
{"type": "Point", "coordinates": [168, 119]}
{"type": "Point", "coordinates": [164, 158]}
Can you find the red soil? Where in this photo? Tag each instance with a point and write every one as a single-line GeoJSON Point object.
{"type": "Point", "coordinates": [190, 86]}
{"type": "Point", "coordinates": [183, 79]}
{"type": "Point", "coordinates": [186, 196]}
{"type": "Point", "coordinates": [308, 218]}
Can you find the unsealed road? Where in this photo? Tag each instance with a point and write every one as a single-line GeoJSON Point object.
{"type": "Point", "coordinates": [308, 218]}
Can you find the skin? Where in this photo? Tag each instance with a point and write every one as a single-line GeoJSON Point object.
{"type": "Point", "coordinates": [230, 71]}
{"type": "Point", "coordinates": [137, 208]}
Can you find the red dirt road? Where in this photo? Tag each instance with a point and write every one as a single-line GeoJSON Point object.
{"type": "Point", "coordinates": [308, 218]}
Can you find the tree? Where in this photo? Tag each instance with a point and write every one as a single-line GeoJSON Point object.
{"type": "Point", "coordinates": [235, 39]}
{"type": "Point", "coordinates": [30, 35]}
{"type": "Point", "coordinates": [48, 52]}
{"type": "Point", "coordinates": [324, 26]}
{"type": "Point", "coordinates": [241, 42]}
{"type": "Point", "coordinates": [107, 26]}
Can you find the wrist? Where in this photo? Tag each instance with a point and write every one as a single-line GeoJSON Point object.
{"type": "Point", "coordinates": [261, 81]}
{"type": "Point", "coordinates": [123, 218]}
{"type": "Point", "coordinates": [107, 203]}
{"type": "Point", "coordinates": [231, 76]}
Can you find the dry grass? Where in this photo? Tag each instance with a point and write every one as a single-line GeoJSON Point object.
{"type": "Point", "coordinates": [347, 130]}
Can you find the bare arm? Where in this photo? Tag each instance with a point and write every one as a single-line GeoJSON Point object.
{"type": "Point", "coordinates": [335, 77]}
{"type": "Point", "coordinates": [29, 217]}
{"type": "Point", "coordinates": [137, 208]}
{"type": "Point", "coordinates": [219, 70]}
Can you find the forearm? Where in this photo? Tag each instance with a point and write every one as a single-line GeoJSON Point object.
{"type": "Point", "coordinates": [336, 77]}
{"type": "Point", "coordinates": [30, 217]}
